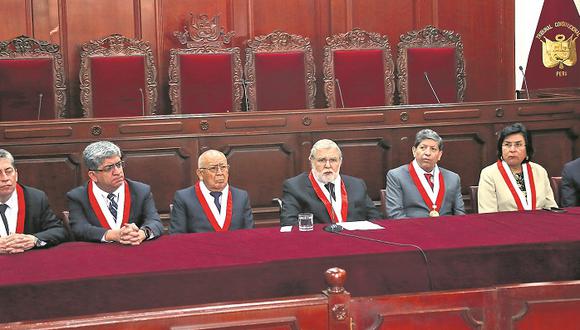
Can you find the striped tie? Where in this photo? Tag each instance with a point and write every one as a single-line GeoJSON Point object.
{"type": "Point", "coordinates": [112, 205]}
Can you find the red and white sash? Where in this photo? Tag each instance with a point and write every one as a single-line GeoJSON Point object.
{"type": "Point", "coordinates": [21, 210]}
{"type": "Point", "coordinates": [99, 213]}
{"type": "Point", "coordinates": [209, 214]}
{"type": "Point", "coordinates": [523, 202]}
{"type": "Point", "coordinates": [326, 202]}
{"type": "Point", "coordinates": [433, 197]}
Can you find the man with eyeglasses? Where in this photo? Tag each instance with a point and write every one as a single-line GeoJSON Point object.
{"type": "Point", "coordinates": [330, 196]}
{"type": "Point", "coordinates": [211, 205]}
{"type": "Point", "coordinates": [422, 188]}
{"type": "Point", "coordinates": [27, 220]}
{"type": "Point", "coordinates": [109, 207]}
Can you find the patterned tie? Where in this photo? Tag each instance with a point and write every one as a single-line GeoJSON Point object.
{"type": "Point", "coordinates": [112, 205]}
{"type": "Point", "coordinates": [3, 208]}
{"type": "Point", "coordinates": [429, 178]}
{"type": "Point", "coordinates": [330, 187]}
{"type": "Point", "coordinates": [216, 199]}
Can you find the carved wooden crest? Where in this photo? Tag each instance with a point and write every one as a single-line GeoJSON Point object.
{"type": "Point", "coordinates": [352, 40]}
{"type": "Point", "coordinates": [24, 47]}
{"type": "Point", "coordinates": [202, 30]}
{"type": "Point", "coordinates": [117, 45]}
{"type": "Point", "coordinates": [279, 42]}
{"type": "Point", "coordinates": [430, 37]}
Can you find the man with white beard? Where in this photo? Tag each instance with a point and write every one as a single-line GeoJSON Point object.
{"type": "Point", "coordinates": [330, 196]}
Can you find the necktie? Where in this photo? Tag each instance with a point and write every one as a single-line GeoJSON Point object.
{"type": "Point", "coordinates": [112, 205]}
{"type": "Point", "coordinates": [429, 178]}
{"type": "Point", "coordinates": [330, 187]}
{"type": "Point", "coordinates": [3, 208]}
{"type": "Point", "coordinates": [216, 199]}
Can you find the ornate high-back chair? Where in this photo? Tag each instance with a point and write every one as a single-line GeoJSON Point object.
{"type": "Point", "coordinates": [358, 70]}
{"type": "Point", "coordinates": [117, 77]}
{"type": "Point", "coordinates": [205, 77]}
{"type": "Point", "coordinates": [430, 67]}
{"type": "Point", "coordinates": [280, 72]}
{"type": "Point", "coordinates": [32, 84]}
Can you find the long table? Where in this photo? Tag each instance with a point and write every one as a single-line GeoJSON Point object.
{"type": "Point", "coordinates": [469, 251]}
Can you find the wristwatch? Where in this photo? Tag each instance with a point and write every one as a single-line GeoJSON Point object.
{"type": "Point", "coordinates": [147, 232]}
{"type": "Point", "coordinates": [38, 242]}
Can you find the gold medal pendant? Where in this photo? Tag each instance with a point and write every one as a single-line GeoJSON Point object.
{"type": "Point", "coordinates": [433, 213]}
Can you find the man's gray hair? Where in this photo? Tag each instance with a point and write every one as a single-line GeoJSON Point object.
{"type": "Point", "coordinates": [96, 153]}
{"type": "Point", "coordinates": [428, 134]}
{"type": "Point", "coordinates": [7, 155]}
{"type": "Point", "coordinates": [324, 144]}
{"type": "Point", "coordinates": [211, 152]}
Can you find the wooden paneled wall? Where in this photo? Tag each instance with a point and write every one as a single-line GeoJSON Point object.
{"type": "Point", "coordinates": [265, 148]}
{"type": "Point", "coordinates": [487, 28]}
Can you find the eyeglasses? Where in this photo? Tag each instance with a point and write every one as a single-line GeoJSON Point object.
{"type": "Point", "coordinates": [323, 161]}
{"type": "Point", "coordinates": [109, 168]}
{"type": "Point", "coordinates": [509, 145]}
{"type": "Point", "coordinates": [216, 168]}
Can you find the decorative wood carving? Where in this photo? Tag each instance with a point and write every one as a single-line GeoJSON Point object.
{"type": "Point", "coordinates": [429, 37]}
{"type": "Point", "coordinates": [203, 30]}
{"type": "Point", "coordinates": [117, 45]}
{"type": "Point", "coordinates": [24, 47]}
{"type": "Point", "coordinates": [203, 35]}
{"type": "Point", "coordinates": [357, 39]}
{"type": "Point", "coordinates": [279, 42]}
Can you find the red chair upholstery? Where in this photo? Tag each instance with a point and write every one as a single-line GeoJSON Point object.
{"type": "Point", "coordinates": [280, 72]}
{"type": "Point", "coordinates": [436, 54]}
{"type": "Point", "coordinates": [117, 78]}
{"type": "Point", "coordinates": [32, 84]}
{"type": "Point", "coordinates": [205, 77]}
{"type": "Point", "coordinates": [358, 70]}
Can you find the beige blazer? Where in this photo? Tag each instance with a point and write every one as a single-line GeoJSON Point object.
{"type": "Point", "coordinates": [493, 194]}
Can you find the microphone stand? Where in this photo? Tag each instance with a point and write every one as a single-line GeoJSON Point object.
{"type": "Point", "coordinates": [340, 93]}
{"type": "Point", "coordinates": [432, 89]}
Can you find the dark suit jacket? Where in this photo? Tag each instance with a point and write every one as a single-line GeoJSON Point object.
{"type": "Point", "coordinates": [86, 226]}
{"type": "Point", "coordinates": [299, 197]}
{"type": "Point", "coordinates": [187, 215]}
{"type": "Point", "coordinates": [570, 193]}
{"type": "Point", "coordinates": [39, 219]}
{"type": "Point", "coordinates": [405, 201]}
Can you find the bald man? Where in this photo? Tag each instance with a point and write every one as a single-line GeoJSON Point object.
{"type": "Point", "coordinates": [211, 204]}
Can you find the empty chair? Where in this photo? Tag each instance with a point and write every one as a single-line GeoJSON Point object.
{"type": "Point", "coordinates": [32, 84]}
{"type": "Point", "coordinates": [117, 77]}
{"type": "Point", "coordinates": [205, 77]}
{"type": "Point", "coordinates": [358, 70]}
{"type": "Point", "coordinates": [430, 67]}
{"type": "Point", "coordinates": [280, 72]}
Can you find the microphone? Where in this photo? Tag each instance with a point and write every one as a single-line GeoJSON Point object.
{"type": "Point", "coordinates": [340, 92]}
{"type": "Point", "coordinates": [247, 103]}
{"type": "Point", "coordinates": [525, 81]}
{"type": "Point", "coordinates": [39, 105]}
{"type": "Point", "coordinates": [431, 86]}
{"type": "Point", "coordinates": [336, 229]}
{"type": "Point", "coordinates": [142, 101]}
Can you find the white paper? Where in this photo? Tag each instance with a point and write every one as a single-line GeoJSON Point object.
{"type": "Point", "coordinates": [360, 225]}
{"type": "Point", "coordinates": [285, 229]}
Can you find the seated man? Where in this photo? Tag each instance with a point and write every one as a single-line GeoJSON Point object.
{"type": "Point", "coordinates": [110, 208]}
{"type": "Point", "coordinates": [330, 196]}
{"type": "Point", "coordinates": [211, 204]}
{"type": "Point", "coordinates": [570, 193]}
{"type": "Point", "coordinates": [421, 188]}
{"type": "Point", "coordinates": [27, 220]}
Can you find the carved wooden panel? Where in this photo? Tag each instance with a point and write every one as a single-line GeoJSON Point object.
{"type": "Point", "coordinates": [53, 173]}
{"type": "Point", "coordinates": [258, 164]}
{"type": "Point", "coordinates": [16, 19]}
{"type": "Point", "coordinates": [167, 168]}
